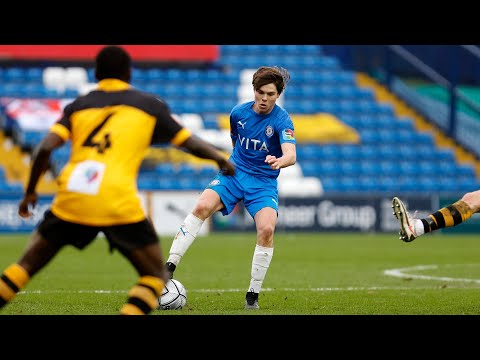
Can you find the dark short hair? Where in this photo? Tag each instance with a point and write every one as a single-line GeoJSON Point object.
{"type": "Point", "coordinates": [113, 62]}
{"type": "Point", "coordinates": [271, 75]}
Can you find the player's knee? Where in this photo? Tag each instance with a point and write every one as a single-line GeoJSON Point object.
{"type": "Point", "coordinates": [265, 235]}
{"type": "Point", "coordinates": [472, 199]}
{"type": "Point", "coordinates": [202, 209]}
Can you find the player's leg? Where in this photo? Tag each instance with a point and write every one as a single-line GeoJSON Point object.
{"type": "Point", "coordinates": [265, 220]}
{"type": "Point", "coordinates": [37, 254]}
{"type": "Point", "coordinates": [261, 202]}
{"type": "Point", "coordinates": [449, 216]}
{"type": "Point", "coordinates": [140, 244]}
{"type": "Point", "coordinates": [143, 296]}
{"type": "Point", "coordinates": [16, 276]}
{"type": "Point", "coordinates": [221, 194]}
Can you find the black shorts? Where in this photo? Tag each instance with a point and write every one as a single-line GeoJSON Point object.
{"type": "Point", "coordinates": [123, 237]}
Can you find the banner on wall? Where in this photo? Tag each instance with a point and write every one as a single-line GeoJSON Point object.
{"type": "Point", "coordinates": [35, 114]}
{"type": "Point", "coordinates": [10, 221]}
{"type": "Point", "coordinates": [193, 53]}
{"type": "Point", "coordinates": [167, 211]}
{"type": "Point", "coordinates": [329, 213]}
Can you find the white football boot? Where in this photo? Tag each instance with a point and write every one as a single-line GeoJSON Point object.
{"type": "Point", "coordinates": [407, 230]}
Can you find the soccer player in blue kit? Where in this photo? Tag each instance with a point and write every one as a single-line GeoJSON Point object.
{"type": "Point", "coordinates": [264, 142]}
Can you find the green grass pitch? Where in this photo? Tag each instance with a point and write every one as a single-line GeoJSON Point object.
{"type": "Point", "coordinates": [310, 274]}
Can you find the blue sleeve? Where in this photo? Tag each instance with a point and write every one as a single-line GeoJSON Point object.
{"type": "Point", "coordinates": [286, 130]}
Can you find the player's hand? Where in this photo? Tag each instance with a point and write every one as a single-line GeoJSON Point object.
{"type": "Point", "coordinates": [273, 161]}
{"type": "Point", "coordinates": [28, 202]}
{"type": "Point", "coordinates": [226, 167]}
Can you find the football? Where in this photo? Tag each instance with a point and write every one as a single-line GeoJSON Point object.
{"type": "Point", "coordinates": [174, 296]}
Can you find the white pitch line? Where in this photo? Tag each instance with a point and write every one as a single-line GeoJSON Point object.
{"type": "Point", "coordinates": [319, 289]}
{"type": "Point", "coordinates": [401, 274]}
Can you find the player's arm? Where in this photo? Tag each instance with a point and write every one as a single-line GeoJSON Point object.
{"type": "Point", "coordinates": [288, 158]}
{"type": "Point", "coordinates": [168, 129]}
{"type": "Point", "coordinates": [205, 150]}
{"type": "Point", "coordinates": [40, 162]}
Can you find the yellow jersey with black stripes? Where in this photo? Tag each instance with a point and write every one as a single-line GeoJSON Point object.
{"type": "Point", "coordinates": [110, 129]}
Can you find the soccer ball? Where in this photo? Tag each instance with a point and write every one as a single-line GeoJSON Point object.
{"type": "Point", "coordinates": [174, 296]}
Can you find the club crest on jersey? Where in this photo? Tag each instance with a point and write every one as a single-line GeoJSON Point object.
{"type": "Point", "coordinates": [288, 134]}
{"type": "Point", "coordinates": [269, 131]}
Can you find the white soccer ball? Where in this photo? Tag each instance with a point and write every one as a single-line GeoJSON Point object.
{"type": "Point", "coordinates": [174, 296]}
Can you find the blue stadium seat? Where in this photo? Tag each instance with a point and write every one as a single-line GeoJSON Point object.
{"type": "Point", "coordinates": [34, 90]}
{"type": "Point", "coordinates": [15, 74]}
{"type": "Point", "coordinates": [369, 168]}
{"type": "Point", "coordinates": [326, 168]}
{"type": "Point", "coordinates": [324, 151]}
{"type": "Point", "coordinates": [34, 74]}
{"type": "Point", "coordinates": [165, 169]}
{"type": "Point", "coordinates": [350, 168]}
{"type": "Point", "coordinates": [446, 167]}
{"type": "Point", "coordinates": [427, 183]}
{"type": "Point", "coordinates": [407, 168]}
{"type": "Point", "coordinates": [448, 184]}
{"type": "Point", "coordinates": [465, 170]}
{"type": "Point", "coordinates": [155, 75]}
{"type": "Point", "coordinates": [388, 153]}
{"type": "Point", "coordinates": [368, 152]}
{"type": "Point", "coordinates": [331, 184]}
{"type": "Point", "coordinates": [444, 155]}
{"type": "Point", "coordinates": [175, 75]}
{"type": "Point", "coordinates": [406, 152]}
{"type": "Point", "coordinates": [349, 152]}
{"type": "Point", "coordinates": [387, 183]}
{"type": "Point", "coordinates": [467, 184]}
{"type": "Point", "coordinates": [387, 168]}
{"type": "Point", "coordinates": [369, 137]}
{"type": "Point", "coordinates": [348, 184]}
{"type": "Point", "coordinates": [424, 138]}
{"type": "Point", "coordinates": [168, 183]}
{"type": "Point", "coordinates": [318, 169]}
{"type": "Point", "coordinates": [138, 74]}
{"type": "Point", "coordinates": [188, 183]}
{"type": "Point", "coordinates": [185, 170]}
{"type": "Point", "coordinates": [387, 136]}
{"type": "Point", "coordinates": [367, 184]}
{"type": "Point", "coordinates": [426, 168]}
{"type": "Point", "coordinates": [405, 136]}
{"type": "Point", "coordinates": [207, 172]}
{"type": "Point", "coordinates": [407, 184]}
{"type": "Point", "coordinates": [232, 50]}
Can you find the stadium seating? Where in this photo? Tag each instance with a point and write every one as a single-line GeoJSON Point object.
{"type": "Point", "coordinates": [319, 84]}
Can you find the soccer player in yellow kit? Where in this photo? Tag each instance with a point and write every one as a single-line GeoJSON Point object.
{"type": "Point", "coordinates": [110, 129]}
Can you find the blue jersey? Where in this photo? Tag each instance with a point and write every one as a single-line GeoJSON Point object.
{"type": "Point", "coordinates": [258, 135]}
